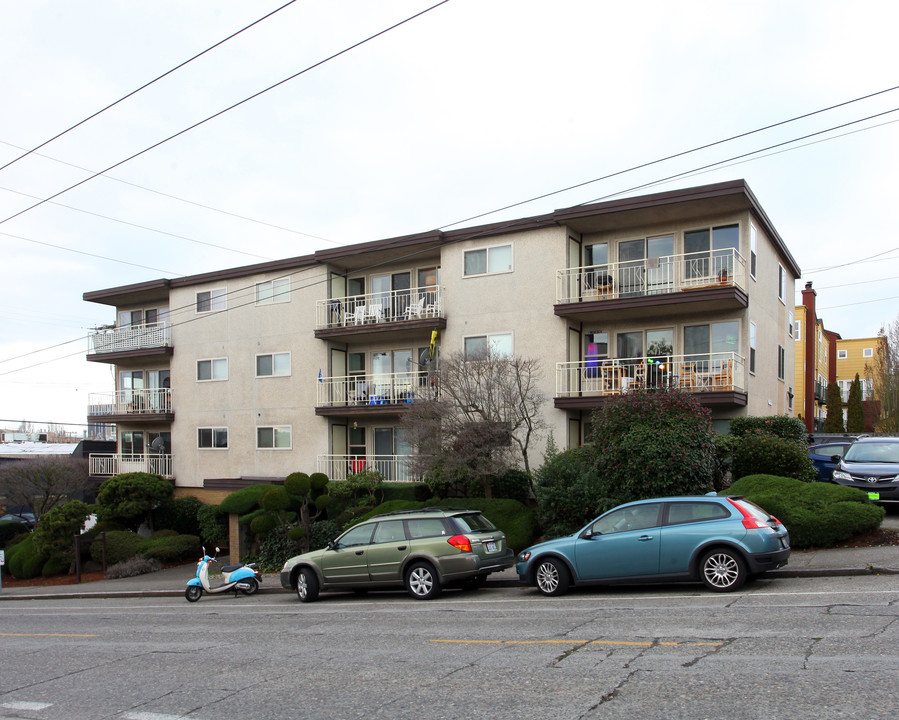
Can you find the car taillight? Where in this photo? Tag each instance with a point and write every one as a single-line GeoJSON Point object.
{"type": "Point", "coordinates": [461, 542]}
{"type": "Point", "coordinates": [749, 522]}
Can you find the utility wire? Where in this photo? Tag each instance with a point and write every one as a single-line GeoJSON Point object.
{"type": "Point", "coordinates": [227, 109]}
{"type": "Point", "coordinates": [144, 86]}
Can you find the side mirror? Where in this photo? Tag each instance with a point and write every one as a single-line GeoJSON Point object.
{"type": "Point", "coordinates": [836, 458]}
{"type": "Point", "coordinates": [332, 545]}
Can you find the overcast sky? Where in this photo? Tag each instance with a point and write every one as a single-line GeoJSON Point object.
{"type": "Point", "coordinates": [473, 106]}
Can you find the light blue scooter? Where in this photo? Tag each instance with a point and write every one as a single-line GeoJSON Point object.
{"type": "Point", "coordinates": [238, 578]}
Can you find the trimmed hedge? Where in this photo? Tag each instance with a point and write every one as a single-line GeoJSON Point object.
{"type": "Point", "coordinates": [10, 529]}
{"type": "Point", "coordinates": [815, 514]}
{"type": "Point", "coordinates": [762, 453]}
{"type": "Point", "coordinates": [172, 548]}
{"type": "Point", "coordinates": [24, 561]}
{"type": "Point", "coordinates": [121, 545]}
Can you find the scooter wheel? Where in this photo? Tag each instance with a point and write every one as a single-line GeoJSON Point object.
{"type": "Point", "coordinates": [253, 586]}
{"type": "Point", "coordinates": [193, 593]}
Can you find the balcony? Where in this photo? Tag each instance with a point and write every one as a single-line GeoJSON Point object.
{"type": "Point", "coordinates": [716, 378]}
{"type": "Point", "coordinates": [132, 341]}
{"type": "Point", "coordinates": [147, 404]}
{"type": "Point", "coordinates": [109, 465]}
{"type": "Point", "coordinates": [371, 394]}
{"type": "Point", "coordinates": [675, 283]}
{"type": "Point", "coordinates": [381, 312]}
{"type": "Point", "coordinates": [393, 468]}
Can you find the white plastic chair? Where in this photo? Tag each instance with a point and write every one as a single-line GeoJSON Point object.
{"type": "Point", "coordinates": [416, 308]}
{"type": "Point", "coordinates": [359, 315]}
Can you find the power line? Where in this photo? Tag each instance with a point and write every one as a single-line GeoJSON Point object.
{"type": "Point", "coordinates": [225, 110]}
{"type": "Point", "coordinates": [144, 86]}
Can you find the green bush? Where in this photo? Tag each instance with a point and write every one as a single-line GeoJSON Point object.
{"type": "Point", "coordinates": [10, 530]}
{"type": "Point", "coordinates": [213, 525]}
{"type": "Point", "coordinates": [274, 549]}
{"type": "Point", "coordinates": [56, 565]}
{"type": "Point", "coordinates": [815, 514]}
{"type": "Point", "coordinates": [416, 492]}
{"type": "Point", "coordinates": [121, 545]}
{"type": "Point", "coordinates": [569, 491]}
{"type": "Point", "coordinates": [54, 534]}
{"type": "Point", "coordinates": [323, 531]}
{"type": "Point", "coordinates": [762, 453]}
{"type": "Point", "coordinates": [171, 549]}
{"type": "Point", "coordinates": [24, 561]}
{"type": "Point", "coordinates": [242, 501]}
{"type": "Point", "coordinates": [130, 498]}
{"type": "Point", "coordinates": [783, 426]}
{"type": "Point", "coordinates": [179, 515]}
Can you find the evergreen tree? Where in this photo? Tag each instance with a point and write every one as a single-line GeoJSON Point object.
{"type": "Point", "coordinates": [833, 422]}
{"type": "Point", "coordinates": [855, 419]}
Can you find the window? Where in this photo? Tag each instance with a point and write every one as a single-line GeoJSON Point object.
{"type": "Point", "coordinates": [359, 535]}
{"type": "Point", "coordinates": [781, 283]}
{"type": "Point", "coordinates": [389, 531]}
{"type": "Point", "coordinates": [426, 527]}
{"type": "Point", "coordinates": [690, 512]}
{"type": "Point", "coordinates": [637, 517]}
{"type": "Point", "coordinates": [752, 330]}
{"type": "Point", "coordinates": [797, 330]}
{"type": "Point", "coordinates": [211, 300]}
{"type": "Point", "coordinates": [500, 345]}
{"type": "Point", "coordinates": [781, 362]}
{"type": "Point", "coordinates": [842, 354]}
{"type": "Point", "coordinates": [273, 291]}
{"type": "Point", "coordinates": [273, 364]}
{"type": "Point", "coordinates": [790, 326]}
{"type": "Point", "coordinates": [707, 346]}
{"type": "Point", "coordinates": [710, 252]}
{"type": "Point", "coordinates": [214, 369]}
{"type": "Point", "coordinates": [488, 260]}
{"type": "Point", "coordinates": [868, 352]}
{"type": "Point", "coordinates": [212, 438]}
{"type": "Point", "coordinates": [753, 249]}
{"type": "Point", "coordinates": [273, 438]}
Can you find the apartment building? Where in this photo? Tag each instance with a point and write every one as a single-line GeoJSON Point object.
{"type": "Point", "coordinates": [308, 364]}
{"type": "Point", "coordinates": [815, 353]}
{"type": "Point", "coordinates": [858, 356]}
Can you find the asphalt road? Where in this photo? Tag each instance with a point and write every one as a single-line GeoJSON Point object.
{"type": "Point", "coordinates": [786, 648]}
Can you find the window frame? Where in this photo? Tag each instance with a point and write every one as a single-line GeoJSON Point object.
{"type": "Point", "coordinates": [842, 354]}
{"type": "Point", "coordinates": [275, 430]}
{"type": "Point", "coordinates": [487, 251]}
{"type": "Point", "coordinates": [781, 362]}
{"type": "Point", "coordinates": [275, 295]}
{"type": "Point", "coordinates": [868, 352]}
{"type": "Point", "coordinates": [752, 346]}
{"type": "Point", "coordinates": [487, 338]}
{"type": "Point", "coordinates": [272, 355]}
{"type": "Point", "coordinates": [217, 300]}
{"type": "Point", "coordinates": [212, 365]}
{"type": "Point", "coordinates": [781, 283]}
{"type": "Point", "coordinates": [213, 431]}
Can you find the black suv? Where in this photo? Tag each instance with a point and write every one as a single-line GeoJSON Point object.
{"type": "Point", "coordinates": [871, 464]}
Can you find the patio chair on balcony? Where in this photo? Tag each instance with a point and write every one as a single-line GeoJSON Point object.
{"type": "Point", "coordinates": [688, 377]}
{"type": "Point", "coordinates": [724, 378]}
{"type": "Point", "coordinates": [375, 313]}
{"type": "Point", "coordinates": [359, 315]}
{"type": "Point", "coordinates": [416, 309]}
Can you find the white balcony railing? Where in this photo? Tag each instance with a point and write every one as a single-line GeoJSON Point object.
{"type": "Point", "coordinates": [652, 276]}
{"type": "Point", "coordinates": [379, 307]}
{"type": "Point", "coordinates": [108, 465]}
{"type": "Point", "coordinates": [393, 468]}
{"type": "Point", "coordinates": [371, 389]}
{"type": "Point", "coordinates": [146, 401]}
{"type": "Point", "coordinates": [714, 372]}
{"type": "Point", "coordinates": [133, 337]}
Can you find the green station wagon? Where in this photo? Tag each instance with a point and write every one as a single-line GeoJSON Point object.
{"type": "Point", "coordinates": [421, 550]}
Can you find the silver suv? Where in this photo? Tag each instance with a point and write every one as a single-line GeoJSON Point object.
{"type": "Point", "coordinates": [871, 464]}
{"type": "Point", "coordinates": [421, 550]}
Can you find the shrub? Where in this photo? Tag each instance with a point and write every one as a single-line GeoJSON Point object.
{"type": "Point", "coordinates": [24, 560]}
{"type": "Point", "coordinates": [9, 531]}
{"type": "Point", "coordinates": [121, 545]}
{"type": "Point", "coordinates": [726, 445]}
{"type": "Point", "coordinates": [416, 492]}
{"type": "Point", "coordinates": [569, 491]}
{"type": "Point", "coordinates": [213, 524]}
{"type": "Point", "coordinates": [513, 485]}
{"type": "Point", "coordinates": [53, 536]}
{"type": "Point", "coordinates": [322, 532]}
{"type": "Point", "coordinates": [815, 514]}
{"type": "Point", "coordinates": [56, 565]}
{"type": "Point", "coordinates": [138, 565]}
{"type": "Point", "coordinates": [783, 426]}
{"type": "Point", "coordinates": [242, 501]}
{"type": "Point", "coordinates": [767, 454]}
{"type": "Point", "coordinates": [179, 515]}
{"type": "Point", "coordinates": [171, 549]}
{"type": "Point", "coordinates": [129, 498]}
{"type": "Point", "coordinates": [274, 549]}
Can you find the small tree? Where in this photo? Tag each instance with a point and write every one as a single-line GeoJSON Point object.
{"type": "Point", "coordinates": [855, 411]}
{"type": "Point", "coordinates": [53, 536]}
{"type": "Point", "coordinates": [129, 498]}
{"type": "Point", "coordinates": [309, 492]}
{"type": "Point", "coordinates": [833, 422]}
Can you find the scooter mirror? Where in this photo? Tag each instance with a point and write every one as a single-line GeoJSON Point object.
{"type": "Point", "coordinates": [216, 549]}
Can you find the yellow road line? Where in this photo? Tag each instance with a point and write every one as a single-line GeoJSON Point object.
{"type": "Point", "coordinates": [44, 635]}
{"type": "Point", "coordinates": [577, 642]}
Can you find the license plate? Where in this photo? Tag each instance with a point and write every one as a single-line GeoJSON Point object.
{"type": "Point", "coordinates": [873, 496]}
{"type": "Point", "coordinates": [491, 547]}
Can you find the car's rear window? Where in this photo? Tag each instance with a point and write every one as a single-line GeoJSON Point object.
{"type": "Point", "coordinates": [874, 452]}
{"type": "Point", "coordinates": [474, 522]}
{"type": "Point", "coordinates": [752, 509]}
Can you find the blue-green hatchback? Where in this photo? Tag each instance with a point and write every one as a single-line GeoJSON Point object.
{"type": "Point", "coordinates": [719, 541]}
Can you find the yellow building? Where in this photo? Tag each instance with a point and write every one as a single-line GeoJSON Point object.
{"type": "Point", "coordinates": [858, 356]}
{"type": "Point", "coordinates": [815, 355]}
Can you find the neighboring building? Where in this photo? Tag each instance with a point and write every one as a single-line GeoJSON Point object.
{"type": "Point", "coordinates": [815, 358]}
{"type": "Point", "coordinates": [245, 375]}
{"type": "Point", "coordinates": [858, 356]}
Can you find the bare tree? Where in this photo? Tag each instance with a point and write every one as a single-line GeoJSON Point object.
{"type": "Point", "coordinates": [480, 417]}
{"type": "Point", "coordinates": [884, 372]}
{"type": "Point", "coordinates": [43, 483]}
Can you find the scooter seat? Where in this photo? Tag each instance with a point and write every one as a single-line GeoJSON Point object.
{"type": "Point", "coordinates": [231, 568]}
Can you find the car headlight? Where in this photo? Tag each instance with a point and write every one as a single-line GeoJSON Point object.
{"type": "Point", "coordinates": [524, 557]}
{"type": "Point", "coordinates": [841, 475]}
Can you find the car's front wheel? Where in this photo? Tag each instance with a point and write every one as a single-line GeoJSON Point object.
{"type": "Point", "coordinates": [422, 582]}
{"type": "Point", "coordinates": [307, 585]}
{"type": "Point", "coordinates": [723, 570]}
{"type": "Point", "coordinates": [552, 577]}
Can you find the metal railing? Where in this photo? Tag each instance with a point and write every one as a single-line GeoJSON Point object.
{"type": "Point", "coordinates": [393, 468]}
{"type": "Point", "coordinates": [144, 401]}
{"type": "Point", "coordinates": [370, 389]}
{"type": "Point", "coordinates": [133, 337]}
{"type": "Point", "coordinates": [108, 465]}
{"type": "Point", "coordinates": [388, 306]}
{"type": "Point", "coordinates": [652, 276]}
{"type": "Point", "coordinates": [712, 372]}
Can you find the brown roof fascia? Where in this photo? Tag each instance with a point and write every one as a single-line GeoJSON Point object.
{"type": "Point", "coordinates": [111, 296]}
{"type": "Point", "coordinates": [290, 264]}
